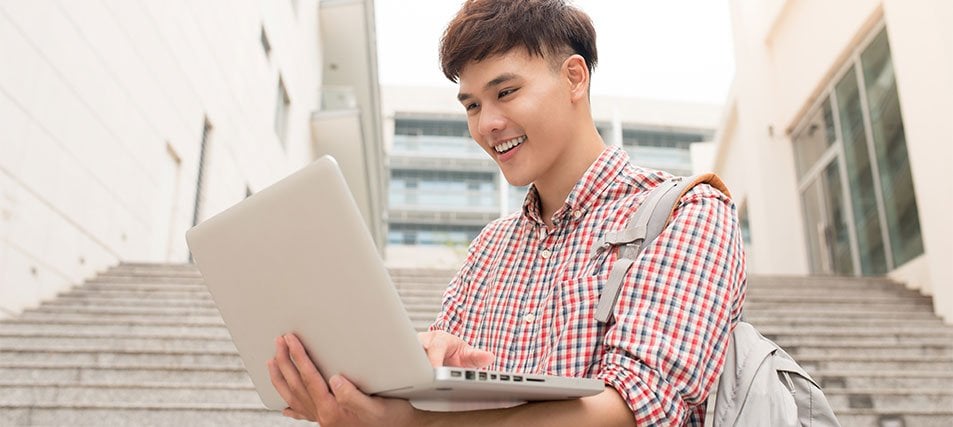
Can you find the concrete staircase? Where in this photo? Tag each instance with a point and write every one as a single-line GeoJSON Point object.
{"type": "Point", "coordinates": [143, 344]}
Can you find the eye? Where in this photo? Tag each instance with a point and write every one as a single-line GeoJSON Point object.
{"type": "Point", "coordinates": [506, 92]}
{"type": "Point", "coordinates": [471, 106]}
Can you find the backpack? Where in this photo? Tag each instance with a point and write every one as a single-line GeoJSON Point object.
{"type": "Point", "coordinates": [760, 384]}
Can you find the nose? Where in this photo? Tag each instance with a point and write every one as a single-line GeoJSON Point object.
{"type": "Point", "coordinates": [491, 120]}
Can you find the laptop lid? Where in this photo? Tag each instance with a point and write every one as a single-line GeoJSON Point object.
{"type": "Point", "coordinates": [297, 257]}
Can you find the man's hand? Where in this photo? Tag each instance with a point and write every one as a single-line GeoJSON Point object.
{"type": "Point", "coordinates": [301, 385]}
{"type": "Point", "coordinates": [444, 349]}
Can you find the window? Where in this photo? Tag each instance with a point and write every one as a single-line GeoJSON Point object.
{"type": "Point", "coordinates": [856, 187]}
{"type": "Point", "coordinates": [282, 108]}
{"type": "Point", "coordinates": [416, 127]}
{"type": "Point", "coordinates": [443, 190]}
{"type": "Point", "coordinates": [890, 146]}
{"type": "Point", "coordinates": [432, 234]}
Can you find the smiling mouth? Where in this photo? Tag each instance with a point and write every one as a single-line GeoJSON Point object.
{"type": "Point", "coordinates": [509, 145]}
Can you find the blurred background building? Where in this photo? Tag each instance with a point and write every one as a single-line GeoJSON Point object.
{"type": "Point", "coordinates": [444, 188]}
{"type": "Point", "coordinates": [837, 136]}
{"type": "Point", "coordinates": [125, 123]}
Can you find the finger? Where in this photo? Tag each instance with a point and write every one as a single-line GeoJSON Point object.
{"type": "Point", "coordinates": [298, 392]}
{"type": "Point", "coordinates": [313, 381]}
{"type": "Point", "coordinates": [288, 412]}
{"type": "Point", "coordinates": [278, 381]}
{"type": "Point", "coordinates": [350, 397]}
{"type": "Point", "coordinates": [424, 338]}
{"type": "Point", "coordinates": [436, 354]}
{"type": "Point", "coordinates": [472, 357]}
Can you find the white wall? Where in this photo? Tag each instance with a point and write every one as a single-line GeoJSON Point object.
{"type": "Point", "coordinates": [921, 43]}
{"type": "Point", "coordinates": [786, 54]}
{"type": "Point", "coordinates": [102, 105]}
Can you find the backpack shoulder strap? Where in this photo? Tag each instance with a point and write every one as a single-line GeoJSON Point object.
{"type": "Point", "coordinates": [650, 219]}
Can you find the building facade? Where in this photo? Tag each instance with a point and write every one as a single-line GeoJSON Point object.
{"type": "Point", "coordinates": [125, 123]}
{"type": "Point", "coordinates": [444, 188]}
{"type": "Point", "coordinates": [836, 136]}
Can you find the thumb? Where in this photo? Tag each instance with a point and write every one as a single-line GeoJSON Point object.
{"type": "Point", "coordinates": [346, 393]}
{"type": "Point", "coordinates": [475, 358]}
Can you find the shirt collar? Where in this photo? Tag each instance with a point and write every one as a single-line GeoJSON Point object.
{"type": "Point", "coordinates": [589, 187]}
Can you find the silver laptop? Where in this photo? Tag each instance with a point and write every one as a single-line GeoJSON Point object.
{"type": "Point", "coordinates": [297, 257]}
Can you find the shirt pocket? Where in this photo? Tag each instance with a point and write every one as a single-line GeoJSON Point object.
{"type": "Point", "coordinates": [576, 337]}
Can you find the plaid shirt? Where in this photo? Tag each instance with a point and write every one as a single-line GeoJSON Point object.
{"type": "Point", "coordinates": [528, 294]}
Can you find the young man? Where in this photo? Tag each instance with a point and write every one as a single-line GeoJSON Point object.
{"type": "Point", "coordinates": [525, 298]}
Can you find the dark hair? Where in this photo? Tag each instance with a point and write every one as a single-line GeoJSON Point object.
{"type": "Point", "coordinates": [484, 28]}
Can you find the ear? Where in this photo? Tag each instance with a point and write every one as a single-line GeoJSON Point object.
{"type": "Point", "coordinates": [578, 75]}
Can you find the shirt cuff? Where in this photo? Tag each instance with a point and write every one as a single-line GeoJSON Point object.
{"type": "Point", "coordinates": [644, 392]}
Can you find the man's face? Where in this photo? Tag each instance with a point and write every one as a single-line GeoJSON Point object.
{"type": "Point", "coordinates": [519, 110]}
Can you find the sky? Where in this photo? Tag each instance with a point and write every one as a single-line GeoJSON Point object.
{"type": "Point", "coordinates": [677, 50]}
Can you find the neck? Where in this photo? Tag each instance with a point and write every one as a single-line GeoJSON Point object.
{"type": "Point", "coordinates": [554, 188]}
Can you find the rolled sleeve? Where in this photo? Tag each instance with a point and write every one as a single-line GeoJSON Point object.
{"type": "Point", "coordinates": [675, 313]}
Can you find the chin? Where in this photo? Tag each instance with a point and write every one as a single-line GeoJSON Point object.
{"type": "Point", "coordinates": [517, 181]}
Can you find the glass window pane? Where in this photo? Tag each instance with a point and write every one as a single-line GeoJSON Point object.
{"type": "Point", "coordinates": [890, 146]}
{"type": "Point", "coordinates": [814, 228]}
{"type": "Point", "coordinates": [814, 138]}
{"type": "Point", "coordinates": [826, 224]}
{"type": "Point", "coordinates": [860, 176]}
{"type": "Point", "coordinates": [837, 233]}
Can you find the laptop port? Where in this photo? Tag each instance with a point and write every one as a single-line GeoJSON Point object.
{"type": "Point", "coordinates": [504, 377]}
{"type": "Point", "coordinates": [470, 375]}
{"type": "Point", "coordinates": [492, 376]}
{"type": "Point", "coordinates": [535, 380]}
{"type": "Point", "coordinates": [456, 374]}
{"type": "Point", "coordinates": [517, 378]}
{"type": "Point", "coordinates": [482, 376]}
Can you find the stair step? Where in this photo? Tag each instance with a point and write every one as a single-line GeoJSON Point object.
{"type": "Point", "coordinates": [882, 379]}
{"type": "Point", "coordinates": [110, 358]}
{"type": "Point", "coordinates": [119, 343]}
{"type": "Point", "coordinates": [871, 352]}
{"type": "Point", "coordinates": [890, 400]}
{"type": "Point", "coordinates": [861, 303]}
{"type": "Point", "coordinates": [125, 310]}
{"type": "Point", "coordinates": [115, 330]}
{"type": "Point", "coordinates": [811, 312]}
{"type": "Point", "coordinates": [861, 363]}
{"type": "Point", "coordinates": [131, 302]}
{"type": "Point", "coordinates": [70, 395]}
{"type": "Point", "coordinates": [141, 375]}
{"type": "Point", "coordinates": [85, 292]}
{"type": "Point", "coordinates": [872, 418]}
{"type": "Point", "coordinates": [786, 341]}
{"type": "Point", "coordinates": [141, 415]}
{"type": "Point", "coordinates": [826, 282]}
{"type": "Point", "coordinates": [764, 321]}
{"type": "Point", "coordinates": [144, 287]}
{"type": "Point", "coordinates": [850, 330]}
{"type": "Point", "coordinates": [33, 316]}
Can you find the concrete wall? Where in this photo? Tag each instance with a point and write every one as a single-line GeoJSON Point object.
{"type": "Point", "coordinates": [787, 53]}
{"type": "Point", "coordinates": [102, 107]}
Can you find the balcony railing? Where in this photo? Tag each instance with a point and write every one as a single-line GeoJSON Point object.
{"type": "Point", "coordinates": [437, 146]}
{"type": "Point", "coordinates": [667, 159]}
{"type": "Point", "coordinates": [430, 200]}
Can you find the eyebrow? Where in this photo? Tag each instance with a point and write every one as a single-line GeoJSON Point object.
{"type": "Point", "coordinates": [502, 78]}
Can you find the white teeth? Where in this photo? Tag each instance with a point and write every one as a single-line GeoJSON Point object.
{"type": "Point", "coordinates": [510, 144]}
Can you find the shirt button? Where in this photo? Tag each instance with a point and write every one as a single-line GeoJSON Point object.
{"type": "Point", "coordinates": [529, 318]}
{"type": "Point", "coordinates": [546, 253]}
{"type": "Point", "coordinates": [577, 214]}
